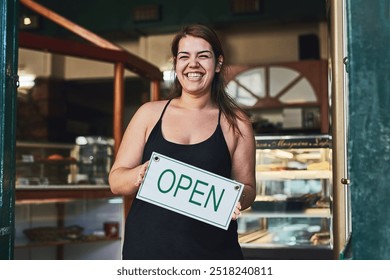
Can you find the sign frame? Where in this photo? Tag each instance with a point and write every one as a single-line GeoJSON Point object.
{"type": "Point", "coordinates": [218, 214]}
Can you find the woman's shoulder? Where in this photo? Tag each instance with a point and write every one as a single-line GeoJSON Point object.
{"type": "Point", "coordinates": [152, 107]}
{"type": "Point", "coordinates": [244, 124]}
{"type": "Point", "coordinates": [240, 117]}
{"type": "Point", "coordinates": [241, 128]}
{"type": "Point", "coordinates": [148, 113]}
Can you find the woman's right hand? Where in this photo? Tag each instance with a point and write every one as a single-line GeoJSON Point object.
{"type": "Point", "coordinates": [141, 174]}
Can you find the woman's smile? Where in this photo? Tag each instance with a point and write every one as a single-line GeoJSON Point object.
{"type": "Point", "coordinates": [194, 76]}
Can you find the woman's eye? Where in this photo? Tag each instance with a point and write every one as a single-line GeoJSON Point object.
{"type": "Point", "coordinates": [183, 57]}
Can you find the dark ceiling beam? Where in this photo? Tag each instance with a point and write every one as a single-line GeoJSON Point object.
{"type": "Point", "coordinates": [129, 60]}
{"type": "Point", "coordinates": [72, 48]}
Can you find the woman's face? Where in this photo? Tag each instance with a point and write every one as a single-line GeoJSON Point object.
{"type": "Point", "coordinates": [195, 65]}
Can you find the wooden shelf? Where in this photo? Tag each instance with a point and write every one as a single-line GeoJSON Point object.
{"type": "Point", "coordinates": [88, 239]}
{"type": "Point", "coordinates": [25, 194]}
{"type": "Point", "coordinates": [294, 174]}
{"type": "Point", "coordinates": [266, 242]}
{"type": "Point", "coordinates": [47, 161]}
{"type": "Point", "coordinates": [307, 213]}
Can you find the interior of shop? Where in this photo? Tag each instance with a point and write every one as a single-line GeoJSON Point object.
{"type": "Point", "coordinates": [277, 52]}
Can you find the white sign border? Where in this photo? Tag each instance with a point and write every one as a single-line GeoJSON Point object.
{"type": "Point", "coordinates": [220, 225]}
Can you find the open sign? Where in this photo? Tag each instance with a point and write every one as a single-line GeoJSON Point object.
{"type": "Point", "coordinates": [189, 190]}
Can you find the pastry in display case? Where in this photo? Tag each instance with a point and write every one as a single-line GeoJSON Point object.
{"type": "Point", "coordinates": [87, 162]}
{"type": "Point", "coordinates": [292, 208]}
{"type": "Point", "coordinates": [43, 164]}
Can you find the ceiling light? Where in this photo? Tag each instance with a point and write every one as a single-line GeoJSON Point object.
{"type": "Point", "coordinates": [29, 22]}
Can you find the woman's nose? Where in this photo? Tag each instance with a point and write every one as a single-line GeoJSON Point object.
{"type": "Point", "coordinates": [193, 62]}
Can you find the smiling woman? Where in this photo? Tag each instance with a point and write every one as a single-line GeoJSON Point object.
{"type": "Point", "coordinates": [201, 126]}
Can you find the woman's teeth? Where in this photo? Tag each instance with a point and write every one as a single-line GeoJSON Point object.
{"type": "Point", "coordinates": [194, 75]}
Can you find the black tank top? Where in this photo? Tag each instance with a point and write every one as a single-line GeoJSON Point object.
{"type": "Point", "coordinates": [155, 233]}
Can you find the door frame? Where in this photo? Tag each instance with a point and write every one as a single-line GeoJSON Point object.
{"type": "Point", "coordinates": [9, 10]}
{"type": "Point", "coordinates": [338, 85]}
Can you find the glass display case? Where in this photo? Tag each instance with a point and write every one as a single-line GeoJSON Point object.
{"type": "Point", "coordinates": [64, 205]}
{"type": "Point", "coordinates": [292, 210]}
{"type": "Point", "coordinates": [87, 162]}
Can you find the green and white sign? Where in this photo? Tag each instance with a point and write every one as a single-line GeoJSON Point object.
{"type": "Point", "coordinates": [189, 190]}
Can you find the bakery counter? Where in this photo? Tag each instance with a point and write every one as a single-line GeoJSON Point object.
{"type": "Point", "coordinates": [291, 217]}
{"type": "Point", "coordinates": [63, 201]}
{"type": "Point", "coordinates": [294, 175]}
{"type": "Point", "coordinates": [287, 253]}
{"type": "Point", "coordinates": [60, 193]}
{"type": "Point", "coordinates": [306, 213]}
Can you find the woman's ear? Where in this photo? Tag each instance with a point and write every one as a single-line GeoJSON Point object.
{"type": "Point", "coordinates": [218, 67]}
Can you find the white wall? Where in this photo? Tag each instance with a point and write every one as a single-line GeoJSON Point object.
{"type": "Point", "coordinates": [34, 62]}
{"type": "Point", "coordinates": [266, 44]}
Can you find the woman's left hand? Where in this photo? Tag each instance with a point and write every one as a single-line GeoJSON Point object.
{"type": "Point", "coordinates": [237, 212]}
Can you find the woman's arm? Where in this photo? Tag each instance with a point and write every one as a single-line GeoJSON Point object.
{"type": "Point", "coordinates": [243, 163]}
{"type": "Point", "coordinates": [127, 171]}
